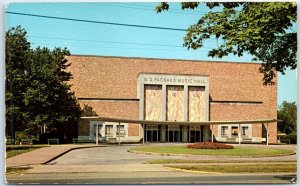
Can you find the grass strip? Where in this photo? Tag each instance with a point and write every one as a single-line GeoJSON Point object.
{"type": "Point", "coordinates": [237, 151]}
{"type": "Point", "coordinates": [15, 147]}
{"type": "Point", "coordinates": [16, 150]}
{"type": "Point", "coordinates": [257, 168]}
{"type": "Point", "coordinates": [174, 161]}
{"type": "Point", "coordinates": [16, 169]}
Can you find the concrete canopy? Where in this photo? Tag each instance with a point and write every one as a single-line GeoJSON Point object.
{"type": "Point", "coordinates": [143, 122]}
{"type": "Point", "coordinates": [119, 120]}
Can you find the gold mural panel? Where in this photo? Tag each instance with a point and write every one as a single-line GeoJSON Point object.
{"type": "Point", "coordinates": [153, 102]}
{"type": "Point", "coordinates": [175, 103]}
{"type": "Point", "coordinates": [196, 104]}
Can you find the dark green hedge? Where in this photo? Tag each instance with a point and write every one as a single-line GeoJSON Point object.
{"type": "Point", "coordinates": [292, 137]}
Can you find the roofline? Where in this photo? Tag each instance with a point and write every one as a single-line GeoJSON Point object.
{"type": "Point", "coordinates": [166, 59]}
{"type": "Point", "coordinates": [118, 120]}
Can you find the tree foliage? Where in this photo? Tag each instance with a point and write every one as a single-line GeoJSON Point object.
{"type": "Point", "coordinates": [262, 29]}
{"type": "Point", "coordinates": [287, 112]}
{"type": "Point", "coordinates": [88, 111]}
{"type": "Point", "coordinates": [37, 92]}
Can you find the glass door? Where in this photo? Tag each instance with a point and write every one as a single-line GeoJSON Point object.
{"type": "Point", "coordinates": [195, 134]}
{"type": "Point", "coordinates": [152, 133]}
{"type": "Point", "coordinates": [174, 133]}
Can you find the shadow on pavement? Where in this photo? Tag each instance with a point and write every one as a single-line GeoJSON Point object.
{"type": "Point", "coordinates": [290, 178]}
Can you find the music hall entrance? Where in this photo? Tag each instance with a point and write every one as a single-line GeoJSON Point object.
{"type": "Point", "coordinates": [173, 133]}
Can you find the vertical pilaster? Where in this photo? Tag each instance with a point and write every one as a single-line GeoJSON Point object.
{"type": "Point", "coordinates": [212, 134]}
{"type": "Point", "coordinates": [186, 102]}
{"type": "Point", "coordinates": [239, 133]}
{"type": "Point", "coordinates": [143, 133]}
{"type": "Point", "coordinates": [141, 104]}
{"type": "Point", "coordinates": [207, 102]}
{"type": "Point", "coordinates": [164, 102]}
{"type": "Point", "coordinates": [97, 134]}
{"type": "Point", "coordinates": [163, 133]}
{"type": "Point", "coordinates": [184, 133]}
{"type": "Point", "coordinates": [189, 130]}
{"type": "Point", "coordinates": [267, 133]}
{"type": "Point", "coordinates": [119, 136]}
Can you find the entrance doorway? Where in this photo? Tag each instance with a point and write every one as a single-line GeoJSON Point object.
{"type": "Point", "coordinates": [93, 130]}
{"type": "Point", "coordinates": [195, 134]}
{"type": "Point", "coordinates": [152, 133]}
{"type": "Point", "coordinates": [174, 133]}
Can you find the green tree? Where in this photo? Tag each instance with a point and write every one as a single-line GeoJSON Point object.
{"type": "Point", "coordinates": [262, 29]}
{"type": "Point", "coordinates": [16, 53]}
{"type": "Point", "coordinates": [88, 111]}
{"type": "Point", "coordinates": [287, 112]}
{"type": "Point", "coordinates": [37, 92]}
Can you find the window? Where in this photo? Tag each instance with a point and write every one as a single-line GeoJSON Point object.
{"type": "Point", "coordinates": [108, 130]}
{"type": "Point", "coordinates": [121, 128]}
{"type": "Point", "coordinates": [234, 131]}
{"type": "Point", "coordinates": [224, 131]}
{"type": "Point", "coordinates": [245, 131]}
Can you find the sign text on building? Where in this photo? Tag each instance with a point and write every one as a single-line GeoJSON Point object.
{"type": "Point", "coordinates": [174, 79]}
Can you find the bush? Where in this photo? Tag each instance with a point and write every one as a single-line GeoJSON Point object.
{"type": "Point", "coordinates": [210, 145]}
{"type": "Point", "coordinates": [292, 137]}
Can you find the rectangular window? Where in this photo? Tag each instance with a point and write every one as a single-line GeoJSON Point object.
{"type": "Point", "coordinates": [108, 130]}
{"type": "Point", "coordinates": [121, 128]}
{"type": "Point", "coordinates": [224, 131]}
{"type": "Point", "coordinates": [234, 131]}
{"type": "Point", "coordinates": [245, 131]}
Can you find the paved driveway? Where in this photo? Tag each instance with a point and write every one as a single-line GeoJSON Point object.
{"type": "Point", "coordinates": [119, 155]}
{"type": "Point", "coordinates": [114, 155]}
{"type": "Point", "coordinates": [114, 165]}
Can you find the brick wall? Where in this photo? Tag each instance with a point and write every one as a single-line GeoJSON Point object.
{"type": "Point", "coordinates": [272, 132]}
{"type": "Point", "coordinates": [115, 78]}
{"type": "Point", "coordinates": [133, 129]}
{"type": "Point", "coordinates": [114, 109]}
{"type": "Point", "coordinates": [257, 130]}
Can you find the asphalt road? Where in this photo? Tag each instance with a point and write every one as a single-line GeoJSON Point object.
{"type": "Point", "coordinates": [114, 165]}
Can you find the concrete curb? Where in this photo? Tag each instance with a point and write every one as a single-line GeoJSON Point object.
{"type": "Point", "coordinates": [185, 170]}
{"type": "Point", "coordinates": [74, 148]}
{"type": "Point", "coordinates": [193, 155]}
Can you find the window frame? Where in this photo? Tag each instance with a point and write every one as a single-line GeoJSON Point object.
{"type": "Point", "coordinates": [225, 132]}
{"type": "Point", "coordinates": [232, 131]}
{"type": "Point", "coordinates": [122, 130]}
{"type": "Point", "coordinates": [246, 134]}
{"type": "Point", "coordinates": [107, 132]}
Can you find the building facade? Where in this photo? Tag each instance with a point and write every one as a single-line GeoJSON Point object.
{"type": "Point", "coordinates": [172, 90]}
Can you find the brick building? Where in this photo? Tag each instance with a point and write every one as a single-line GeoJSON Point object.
{"type": "Point", "coordinates": [172, 90]}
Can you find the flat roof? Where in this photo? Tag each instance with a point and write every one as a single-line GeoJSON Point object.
{"type": "Point", "coordinates": [117, 120]}
{"type": "Point", "coordinates": [167, 59]}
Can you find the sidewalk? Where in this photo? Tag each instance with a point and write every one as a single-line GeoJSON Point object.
{"type": "Point", "coordinates": [42, 155]}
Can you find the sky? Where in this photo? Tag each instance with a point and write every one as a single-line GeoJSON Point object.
{"type": "Point", "coordinates": [113, 40]}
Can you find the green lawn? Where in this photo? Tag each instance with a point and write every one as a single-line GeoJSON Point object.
{"type": "Point", "coordinates": [15, 170]}
{"type": "Point", "coordinates": [237, 151]}
{"type": "Point", "coordinates": [256, 168]}
{"type": "Point", "coordinates": [13, 150]}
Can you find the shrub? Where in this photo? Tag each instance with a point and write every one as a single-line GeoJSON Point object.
{"type": "Point", "coordinates": [292, 137]}
{"type": "Point", "coordinates": [210, 145]}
